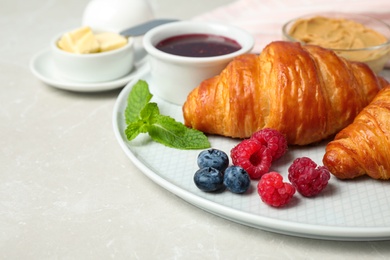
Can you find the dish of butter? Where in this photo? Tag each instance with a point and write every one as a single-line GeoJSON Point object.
{"type": "Point", "coordinates": [84, 41]}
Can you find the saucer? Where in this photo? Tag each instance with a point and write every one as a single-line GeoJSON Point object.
{"type": "Point", "coordinates": [42, 66]}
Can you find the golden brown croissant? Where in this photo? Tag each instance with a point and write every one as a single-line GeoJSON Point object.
{"type": "Point", "coordinates": [306, 92]}
{"type": "Point", "coordinates": [363, 147]}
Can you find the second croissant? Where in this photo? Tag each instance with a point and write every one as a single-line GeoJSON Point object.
{"type": "Point", "coordinates": [308, 93]}
{"type": "Point", "coordinates": [363, 147]}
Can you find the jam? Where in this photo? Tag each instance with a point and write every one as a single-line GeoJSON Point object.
{"type": "Point", "coordinates": [198, 45]}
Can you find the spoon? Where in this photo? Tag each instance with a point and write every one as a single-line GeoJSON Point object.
{"type": "Point", "coordinates": [142, 28]}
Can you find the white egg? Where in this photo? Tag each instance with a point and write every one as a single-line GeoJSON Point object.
{"type": "Point", "coordinates": [116, 15]}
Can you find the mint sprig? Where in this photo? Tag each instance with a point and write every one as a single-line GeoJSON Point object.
{"type": "Point", "coordinates": [137, 100]}
{"type": "Point", "coordinates": [143, 116]}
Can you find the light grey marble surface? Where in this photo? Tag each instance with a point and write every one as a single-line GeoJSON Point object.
{"type": "Point", "coordinates": [67, 191]}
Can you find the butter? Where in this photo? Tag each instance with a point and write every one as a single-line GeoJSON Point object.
{"type": "Point", "coordinates": [79, 41]}
{"type": "Point", "coordinates": [84, 41]}
{"type": "Point", "coordinates": [110, 41]}
{"type": "Point", "coordinates": [69, 40]}
{"type": "Point", "coordinates": [87, 44]}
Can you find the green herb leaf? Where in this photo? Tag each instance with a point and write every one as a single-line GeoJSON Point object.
{"type": "Point", "coordinates": [143, 116]}
{"type": "Point", "coordinates": [139, 96]}
{"type": "Point", "coordinates": [171, 133]}
{"type": "Point", "coordinates": [135, 128]}
{"type": "Point", "coordinates": [149, 112]}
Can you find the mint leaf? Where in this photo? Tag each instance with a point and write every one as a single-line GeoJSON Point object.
{"type": "Point", "coordinates": [143, 116]}
{"type": "Point", "coordinates": [142, 122]}
{"type": "Point", "coordinates": [138, 97]}
{"type": "Point", "coordinates": [135, 128]}
{"type": "Point", "coordinates": [171, 133]}
{"type": "Point", "coordinates": [150, 111]}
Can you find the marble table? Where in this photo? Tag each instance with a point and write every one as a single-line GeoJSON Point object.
{"type": "Point", "coordinates": [67, 190]}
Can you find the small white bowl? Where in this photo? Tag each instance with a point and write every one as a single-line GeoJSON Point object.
{"type": "Point", "coordinates": [93, 67]}
{"type": "Point", "coordinates": [175, 76]}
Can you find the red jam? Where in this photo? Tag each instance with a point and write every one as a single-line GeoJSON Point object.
{"type": "Point", "coordinates": [198, 45]}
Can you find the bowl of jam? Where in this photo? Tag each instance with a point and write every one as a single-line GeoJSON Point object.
{"type": "Point", "coordinates": [183, 54]}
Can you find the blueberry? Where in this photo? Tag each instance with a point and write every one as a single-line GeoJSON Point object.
{"type": "Point", "coordinates": [208, 179]}
{"type": "Point", "coordinates": [236, 179]}
{"type": "Point", "coordinates": [213, 158]}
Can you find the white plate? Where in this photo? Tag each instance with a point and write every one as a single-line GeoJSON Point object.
{"type": "Point", "coordinates": [42, 66]}
{"type": "Point", "coordinates": [356, 210]}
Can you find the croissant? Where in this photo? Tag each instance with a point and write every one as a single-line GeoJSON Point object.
{"type": "Point", "coordinates": [363, 147]}
{"type": "Point", "coordinates": [308, 93]}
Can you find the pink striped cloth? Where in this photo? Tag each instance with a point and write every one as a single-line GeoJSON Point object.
{"type": "Point", "coordinates": [265, 18]}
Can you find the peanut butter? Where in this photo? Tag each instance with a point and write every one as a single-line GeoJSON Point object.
{"type": "Point", "coordinates": [347, 38]}
{"type": "Point", "coordinates": [335, 33]}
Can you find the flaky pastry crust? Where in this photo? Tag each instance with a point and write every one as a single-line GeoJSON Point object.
{"type": "Point", "coordinates": [363, 147]}
{"type": "Point", "coordinates": [308, 93]}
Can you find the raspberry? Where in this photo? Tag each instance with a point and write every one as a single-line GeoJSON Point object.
{"type": "Point", "coordinates": [307, 178]}
{"type": "Point", "coordinates": [273, 140]}
{"type": "Point", "coordinates": [252, 156]}
{"type": "Point", "coordinates": [273, 191]}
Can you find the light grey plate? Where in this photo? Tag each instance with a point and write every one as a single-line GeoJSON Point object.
{"type": "Point", "coordinates": [356, 210]}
